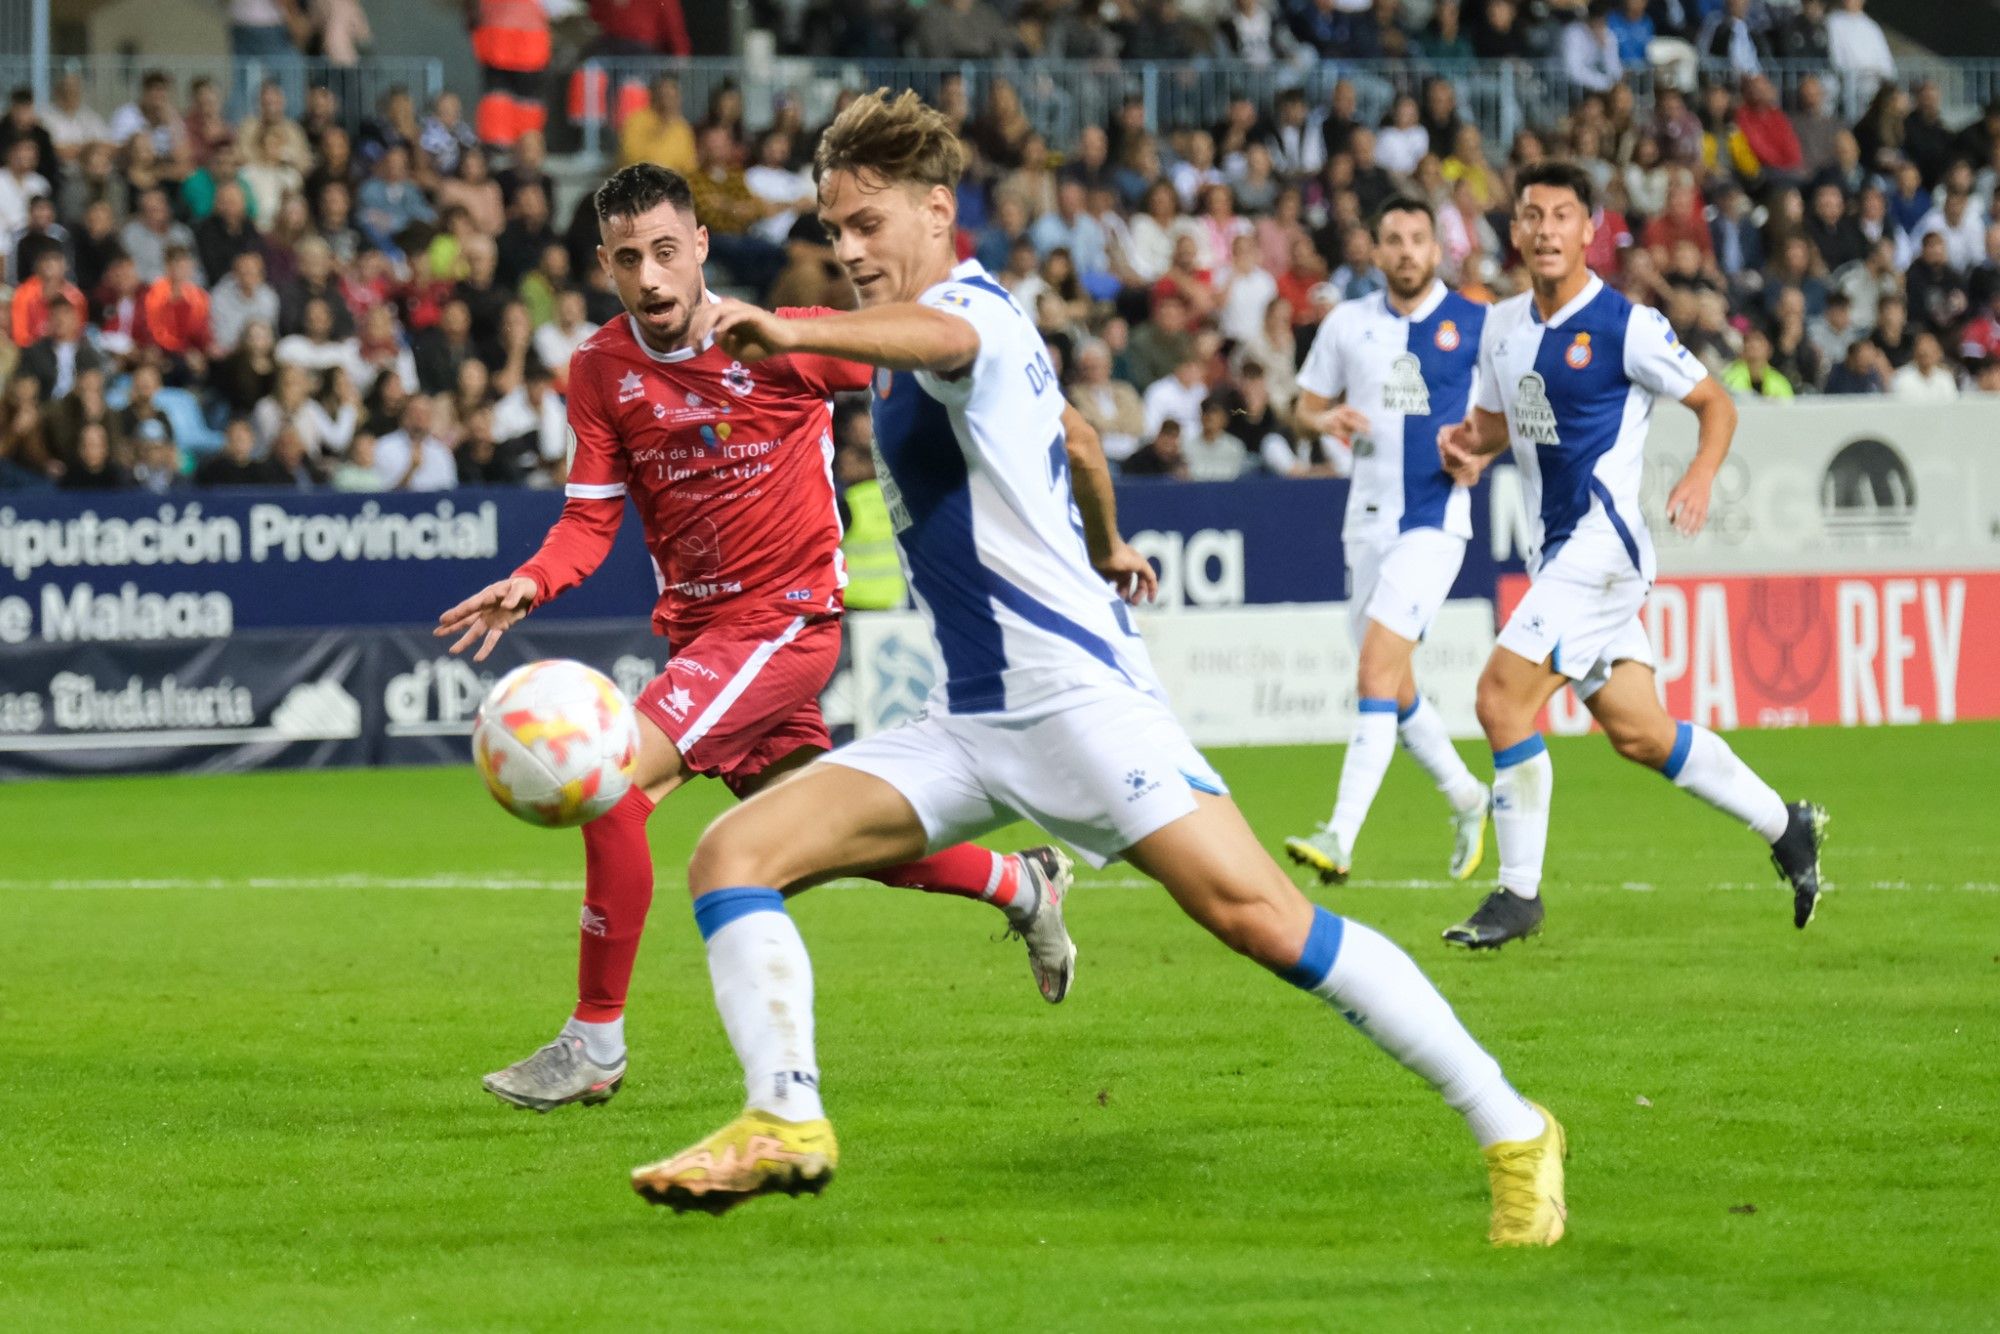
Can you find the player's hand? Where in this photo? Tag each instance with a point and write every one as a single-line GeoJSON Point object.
{"type": "Point", "coordinates": [1457, 449]}
{"type": "Point", "coordinates": [1687, 506]}
{"type": "Point", "coordinates": [489, 612]}
{"type": "Point", "coordinates": [1130, 573]}
{"type": "Point", "coordinates": [744, 331]}
{"type": "Point", "coordinates": [1345, 422]}
{"type": "Point", "coordinates": [1467, 474]}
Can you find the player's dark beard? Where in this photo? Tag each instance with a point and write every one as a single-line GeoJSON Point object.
{"type": "Point", "coordinates": [672, 336]}
{"type": "Point", "coordinates": [1408, 289]}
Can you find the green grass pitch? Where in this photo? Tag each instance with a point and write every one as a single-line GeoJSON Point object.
{"type": "Point", "coordinates": [245, 1018]}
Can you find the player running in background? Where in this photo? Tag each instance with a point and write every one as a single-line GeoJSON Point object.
{"type": "Point", "coordinates": [729, 467]}
{"type": "Point", "coordinates": [1568, 373]}
{"type": "Point", "coordinates": [1404, 360]}
{"type": "Point", "coordinates": [1047, 708]}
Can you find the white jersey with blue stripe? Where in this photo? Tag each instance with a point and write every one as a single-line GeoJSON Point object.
{"type": "Point", "coordinates": [1413, 376]}
{"type": "Point", "coordinates": [975, 470]}
{"type": "Point", "coordinates": [1578, 391]}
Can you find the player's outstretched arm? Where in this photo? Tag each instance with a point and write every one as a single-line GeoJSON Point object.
{"type": "Point", "coordinates": [572, 551]}
{"type": "Point", "coordinates": [1096, 500]}
{"type": "Point", "coordinates": [901, 337]}
{"type": "Point", "coordinates": [1687, 504]}
{"type": "Point", "coordinates": [1322, 416]}
{"type": "Point", "coordinates": [489, 613]}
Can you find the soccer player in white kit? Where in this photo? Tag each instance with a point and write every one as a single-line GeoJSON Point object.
{"type": "Point", "coordinates": [1047, 707]}
{"type": "Point", "coordinates": [1568, 374]}
{"type": "Point", "coordinates": [1404, 360]}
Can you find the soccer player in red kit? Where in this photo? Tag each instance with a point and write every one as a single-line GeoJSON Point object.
{"type": "Point", "coordinates": [730, 468]}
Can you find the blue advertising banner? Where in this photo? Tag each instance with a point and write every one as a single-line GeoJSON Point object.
{"type": "Point", "coordinates": [197, 565]}
{"type": "Point", "coordinates": [1272, 539]}
{"type": "Point", "coordinates": [207, 565]}
{"type": "Point", "coordinates": [276, 698]}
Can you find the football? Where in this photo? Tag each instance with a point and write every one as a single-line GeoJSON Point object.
{"type": "Point", "coordinates": [556, 743]}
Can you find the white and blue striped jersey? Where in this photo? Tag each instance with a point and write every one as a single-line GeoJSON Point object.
{"type": "Point", "coordinates": [975, 470]}
{"type": "Point", "coordinates": [1413, 376]}
{"type": "Point", "coordinates": [1578, 392]}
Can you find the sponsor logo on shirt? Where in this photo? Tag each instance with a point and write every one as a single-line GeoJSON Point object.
{"type": "Point", "coordinates": [1405, 390]}
{"type": "Point", "coordinates": [1534, 416]}
{"type": "Point", "coordinates": [678, 702]}
{"type": "Point", "coordinates": [1578, 355]}
{"type": "Point", "coordinates": [631, 387]}
{"type": "Point", "coordinates": [689, 667]}
{"type": "Point", "coordinates": [698, 591]}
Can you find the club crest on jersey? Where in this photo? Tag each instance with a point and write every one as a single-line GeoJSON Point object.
{"type": "Point", "coordinates": [737, 380]}
{"type": "Point", "coordinates": [1405, 390]}
{"type": "Point", "coordinates": [1578, 355]}
{"type": "Point", "coordinates": [884, 378]}
{"type": "Point", "coordinates": [1534, 415]}
{"type": "Point", "coordinates": [1447, 338]}
{"type": "Point", "coordinates": [631, 387]}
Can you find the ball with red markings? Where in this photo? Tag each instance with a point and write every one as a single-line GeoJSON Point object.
{"type": "Point", "coordinates": [556, 743]}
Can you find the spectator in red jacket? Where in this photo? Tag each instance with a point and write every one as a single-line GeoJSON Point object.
{"type": "Point", "coordinates": [29, 319]}
{"type": "Point", "coordinates": [174, 318]}
{"type": "Point", "coordinates": [1769, 132]}
{"type": "Point", "coordinates": [1680, 220]}
{"type": "Point", "coordinates": [641, 27]}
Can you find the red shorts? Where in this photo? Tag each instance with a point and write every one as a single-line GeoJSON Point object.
{"type": "Point", "coordinates": [743, 694]}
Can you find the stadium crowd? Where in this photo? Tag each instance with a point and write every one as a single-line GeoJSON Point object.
{"type": "Point", "coordinates": [281, 302]}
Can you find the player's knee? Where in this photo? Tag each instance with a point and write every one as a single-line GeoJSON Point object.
{"type": "Point", "coordinates": [723, 860]}
{"type": "Point", "coordinates": [1380, 680]}
{"type": "Point", "coordinates": [1258, 927]}
{"type": "Point", "coordinates": [1642, 746]}
{"type": "Point", "coordinates": [1492, 704]}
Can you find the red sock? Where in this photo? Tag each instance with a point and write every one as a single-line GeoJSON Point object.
{"type": "Point", "coordinates": [617, 891]}
{"type": "Point", "coordinates": [967, 870]}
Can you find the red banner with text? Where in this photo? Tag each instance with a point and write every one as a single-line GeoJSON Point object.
{"type": "Point", "coordinates": [1792, 650]}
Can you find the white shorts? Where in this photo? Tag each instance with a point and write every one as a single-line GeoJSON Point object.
{"type": "Point", "coordinates": [1100, 767]}
{"type": "Point", "coordinates": [1581, 616]}
{"type": "Point", "coordinates": [1402, 581]}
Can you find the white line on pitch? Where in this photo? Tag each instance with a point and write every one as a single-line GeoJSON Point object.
{"type": "Point", "coordinates": [1087, 881]}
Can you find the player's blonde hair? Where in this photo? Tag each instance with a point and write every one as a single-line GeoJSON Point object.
{"type": "Point", "coordinates": [904, 141]}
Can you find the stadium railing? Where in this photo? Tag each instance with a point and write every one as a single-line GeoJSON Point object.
{"type": "Point", "coordinates": [1061, 96]}
{"type": "Point", "coordinates": [110, 81]}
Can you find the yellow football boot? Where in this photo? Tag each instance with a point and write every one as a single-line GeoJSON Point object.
{"type": "Point", "coordinates": [756, 1154]}
{"type": "Point", "coordinates": [1323, 853]}
{"type": "Point", "coordinates": [1468, 836]}
{"type": "Point", "coordinates": [1527, 1178]}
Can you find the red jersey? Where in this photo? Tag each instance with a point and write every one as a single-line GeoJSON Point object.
{"type": "Point", "coordinates": [730, 467]}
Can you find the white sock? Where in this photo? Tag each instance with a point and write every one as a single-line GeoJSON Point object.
{"type": "Point", "coordinates": [764, 991]}
{"type": "Point", "coordinates": [1381, 991]}
{"type": "Point", "coordinates": [1369, 751]}
{"type": "Point", "coordinates": [1703, 763]}
{"type": "Point", "coordinates": [1523, 779]}
{"type": "Point", "coordinates": [1422, 733]}
{"type": "Point", "coordinates": [603, 1043]}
